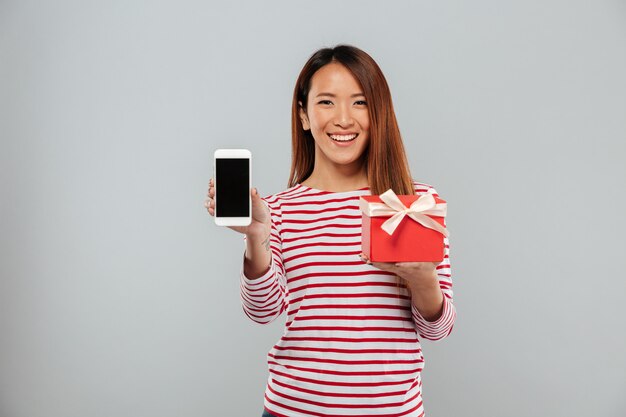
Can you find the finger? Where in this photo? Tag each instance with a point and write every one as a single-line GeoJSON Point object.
{"type": "Point", "coordinates": [408, 264]}
{"type": "Point", "coordinates": [423, 266]}
{"type": "Point", "coordinates": [257, 200]}
{"type": "Point", "coordinates": [209, 205]}
{"type": "Point", "coordinates": [385, 266]}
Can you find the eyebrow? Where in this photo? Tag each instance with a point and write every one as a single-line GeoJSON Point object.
{"type": "Point", "coordinates": [333, 95]}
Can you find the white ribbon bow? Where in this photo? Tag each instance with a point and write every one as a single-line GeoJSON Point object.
{"type": "Point", "coordinates": [419, 210]}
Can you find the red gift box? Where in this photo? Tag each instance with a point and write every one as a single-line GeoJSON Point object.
{"type": "Point", "coordinates": [403, 228]}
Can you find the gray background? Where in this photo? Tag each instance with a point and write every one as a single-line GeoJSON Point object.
{"type": "Point", "coordinates": [119, 296]}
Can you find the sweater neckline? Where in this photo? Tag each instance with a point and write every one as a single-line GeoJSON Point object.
{"type": "Point", "coordinates": [307, 188]}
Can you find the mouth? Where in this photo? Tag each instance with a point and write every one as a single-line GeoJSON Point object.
{"type": "Point", "coordinates": [343, 138]}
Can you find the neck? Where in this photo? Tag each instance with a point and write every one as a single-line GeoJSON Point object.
{"type": "Point", "coordinates": [338, 178]}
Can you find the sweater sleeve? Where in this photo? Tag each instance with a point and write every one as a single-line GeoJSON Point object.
{"type": "Point", "coordinates": [264, 299]}
{"type": "Point", "coordinates": [442, 327]}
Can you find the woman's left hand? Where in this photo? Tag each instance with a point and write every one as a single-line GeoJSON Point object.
{"type": "Point", "coordinates": [415, 274]}
{"type": "Point", "coordinates": [422, 282]}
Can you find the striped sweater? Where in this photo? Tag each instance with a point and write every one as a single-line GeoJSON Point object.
{"type": "Point", "coordinates": [351, 341]}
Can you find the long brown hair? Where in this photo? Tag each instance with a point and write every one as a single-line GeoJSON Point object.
{"type": "Point", "coordinates": [387, 165]}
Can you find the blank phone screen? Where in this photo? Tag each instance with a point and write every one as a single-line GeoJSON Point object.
{"type": "Point", "coordinates": [232, 188]}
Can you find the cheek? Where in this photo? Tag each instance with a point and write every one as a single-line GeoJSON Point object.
{"type": "Point", "coordinates": [364, 121]}
{"type": "Point", "coordinates": [317, 128]}
{"type": "Point", "coordinates": [312, 117]}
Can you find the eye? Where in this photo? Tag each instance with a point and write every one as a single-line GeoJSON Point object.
{"type": "Point", "coordinates": [361, 103]}
{"type": "Point", "coordinates": [325, 102]}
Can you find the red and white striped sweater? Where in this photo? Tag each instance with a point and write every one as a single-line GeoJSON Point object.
{"type": "Point", "coordinates": [350, 345]}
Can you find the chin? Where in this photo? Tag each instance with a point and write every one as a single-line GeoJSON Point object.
{"type": "Point", "coordinates": [346, 161]}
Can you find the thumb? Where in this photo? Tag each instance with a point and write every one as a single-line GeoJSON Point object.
{"type": "Point", "coordinates": [256, 197]}
{"type": "Point", "coordinates": [258, 205]}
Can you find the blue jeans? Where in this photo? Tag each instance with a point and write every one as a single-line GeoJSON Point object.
{"type": "Point", "coordinates": [267, 414]}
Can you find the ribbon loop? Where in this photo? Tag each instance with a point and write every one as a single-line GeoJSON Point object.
{"type": "Point", "coordinates": [419, 211]}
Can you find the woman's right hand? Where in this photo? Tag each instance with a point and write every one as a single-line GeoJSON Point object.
{"type": "Point", "coordinates": [261, 221]}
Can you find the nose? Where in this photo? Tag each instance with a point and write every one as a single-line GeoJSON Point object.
{"type": "Point", "coordinates": [343, 116]}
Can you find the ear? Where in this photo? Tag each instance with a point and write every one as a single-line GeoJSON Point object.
{"type": "Point", "coordinates": [303, 117]}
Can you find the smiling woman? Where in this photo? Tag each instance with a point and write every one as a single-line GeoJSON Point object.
{"type": "Point", "coordinates": [344, 88]}
{"type": "Point", "coordinates": [337, 117]}
{"type": "Point", "coordinates": [351, 343]}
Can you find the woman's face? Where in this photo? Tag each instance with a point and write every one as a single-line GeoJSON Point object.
{"type": "Point", "coordinates": [337, 116]}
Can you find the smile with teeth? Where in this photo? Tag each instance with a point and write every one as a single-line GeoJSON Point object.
{"type": "Point", "coordinates": [343, 138]}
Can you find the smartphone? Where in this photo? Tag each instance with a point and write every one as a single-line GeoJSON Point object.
{"type": "Point", "coordinates": [233, 205]}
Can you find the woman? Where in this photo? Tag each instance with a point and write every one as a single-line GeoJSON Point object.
{"type": "Point", "coordinates": [350, 345]}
